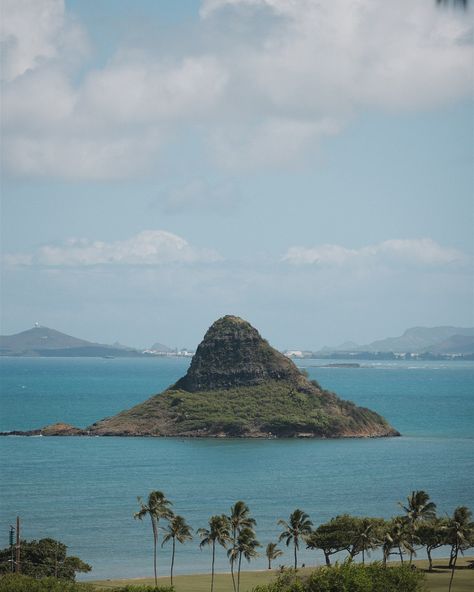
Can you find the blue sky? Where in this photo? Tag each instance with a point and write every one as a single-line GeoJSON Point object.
{"type": "Point", "coordinates": [305, 165]}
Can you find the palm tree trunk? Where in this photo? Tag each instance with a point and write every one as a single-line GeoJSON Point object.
{"type": "Point", "coordinates": [213, 560]}
{"type": "Point", "coordinates": [172, 559]}
{"type": "Point", "coordinates": [155, 541]}
{"type": "Point", "coordinates": [363, 557]}
{"type": "Point", "coordinates": [452, 555]}
{"type": "Point", "coordinates": [238, 572]}
{"type": "Point", "coordinates": [234, 540]}
{"type": "Point", "coordinates": [269, 563]}
{"type": "Point", "coordinates": [430, 560]}
{"type": "Point", "coordinates": [232, 573]}
{"type": "Point", "coordinates": [296, 560]}
{"type": "Point", "coordinates": [452, 572]}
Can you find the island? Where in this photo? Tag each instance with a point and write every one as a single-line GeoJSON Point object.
{"type": "Point", "coordinates": [237, 385]}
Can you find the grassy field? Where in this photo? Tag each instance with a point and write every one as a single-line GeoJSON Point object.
{"type": "Point", "coordinates": [437, 581]}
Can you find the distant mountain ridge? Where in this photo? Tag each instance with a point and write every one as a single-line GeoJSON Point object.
{"type": "Point", "coordinates": [161, 347]}
{"type": "Point", "coordinates": [46, 342]}
{"type": "Point", "coordinates": [443, 340]}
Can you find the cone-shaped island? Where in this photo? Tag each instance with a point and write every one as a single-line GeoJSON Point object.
{"type": "Point", "coordinates": [239, 386]}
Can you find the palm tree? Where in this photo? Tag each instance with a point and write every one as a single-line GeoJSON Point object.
{"type": "Point", "coordinates": [298, 527]}
{"type": "Point", "coordinates": [239, 518]}
{"type": "Point", "coordinates": [272, 552]}
{"type": "Point", "coordinates": [247, 547]}
{"type": "Point", "coordinates": [364, 538]}
{"type": "Point", "coordinates": [460, 535]}
{"type": "Point", "coordinates": [156, 507]}
{"type": "Point", "coordinates": [218, 532]}
{"type": "Point", "coordinates": [418, 508]}
{"type": "Point", "coordinates": [176, 530]}
{"type": "Point", "coordinates": [396, 536]}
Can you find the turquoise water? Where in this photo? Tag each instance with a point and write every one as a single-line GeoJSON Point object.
{"type": "Point", "coordinates": [83, 490]}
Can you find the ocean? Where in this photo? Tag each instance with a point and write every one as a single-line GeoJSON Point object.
{"type": "Point", "coordinates": [83, 491]}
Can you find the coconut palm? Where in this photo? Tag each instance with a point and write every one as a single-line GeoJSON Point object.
{"type": "Point", "coordinates": [460, 535]}
{"type": "Point", "coordinates": [418, 509]}
{"type": "Point", "coordinates": [396, 536]}
{"type": "Point", "coordinates": [176, 530]}
{"type": "Point", "coordinates": [157, 507]}
{"type": "Point", "coordinates": [247, 547]}
{"type": "Point", "coordinates": [298, 527]}
{"type": "Point", "coordinates": [272, 552]}
{"type": "Point", "coordinates": [239, 518]}
{"type": "Point", "coordinates": [365, 538]}
{"type": "Point", "coordinates": [218, 532]}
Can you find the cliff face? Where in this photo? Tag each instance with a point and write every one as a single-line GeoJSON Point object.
{"type": "Point", "coordinates": [233, 354]}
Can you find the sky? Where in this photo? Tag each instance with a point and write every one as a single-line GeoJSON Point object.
{"type": "Point", "coordinates": [304, 164]}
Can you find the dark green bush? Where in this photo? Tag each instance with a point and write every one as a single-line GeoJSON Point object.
{"type": "Point", "coordinates": [350, 577]}
{"type": "Point", "coordinates": [20, 583]}
{"type": "Point", "coordinates": [141, 588]}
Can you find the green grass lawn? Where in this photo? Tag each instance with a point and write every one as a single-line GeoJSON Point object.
{"type": "Point", "coordinates": [437, 581]}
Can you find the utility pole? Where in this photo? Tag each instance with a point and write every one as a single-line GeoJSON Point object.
{"type": "Point", "coordinates": [17, 562]}
{"type": "Point", "coordinates": [11, 540]}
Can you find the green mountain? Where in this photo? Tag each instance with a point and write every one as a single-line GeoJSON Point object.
{"type": "Point", "coordinates": [238, 385]}
{"type": "Point", "coordinates": [455, 344]}
{"type": "Point", "coordinates": [444, 339]}
{"type": "Point", "coordinates": [43, 341]}
{"type": "Point", "coordinates": [419, 339]}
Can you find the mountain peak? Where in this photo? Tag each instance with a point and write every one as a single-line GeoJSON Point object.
{"type": "Point", "coordinates": [233, 354]}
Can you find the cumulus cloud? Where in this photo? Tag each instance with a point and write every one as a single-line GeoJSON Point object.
{"type": "Point", "coordinates": [423, 252]}
{"type": "Point", "coordinates": [34, 32]}
{"type": "Point", "coordinates": [150, 247]}
{"type": "Point", "coordinates": [256, 95]}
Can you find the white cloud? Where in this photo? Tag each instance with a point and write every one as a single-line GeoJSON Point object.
{"type": "Point", "coordinates": [274, 142]}
{"type": "Point", "coordinates": [143, 90]}
{"type": "Point", "coordinates": [149, 247]}
{"type": "Point", "coordinates": [423, 252]}
{"type": "Point", "coordinates": [261, 81]}
{"type": "Point", "coordinates": [34, 32]}
{"type": "Point", "coordinates": [29, 33]}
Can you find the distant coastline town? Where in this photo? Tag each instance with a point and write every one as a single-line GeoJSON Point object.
{"type": "Point", "coordinates": [416, 344]}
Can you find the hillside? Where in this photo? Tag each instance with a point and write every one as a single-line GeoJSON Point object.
{"type": "Point", "coordinates": [439, 340]}
{"type": "Point", "coordinates": [238, 385]}
{"type": "Point", "coordinates": [418, 339]}
{"type": "Point", "coordinates": [456, 344]}
{"type": "Point", "coordinates": [46, 342]}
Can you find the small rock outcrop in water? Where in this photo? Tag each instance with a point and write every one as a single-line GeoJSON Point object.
{"type": "Point", "coordinates": [238, 385]}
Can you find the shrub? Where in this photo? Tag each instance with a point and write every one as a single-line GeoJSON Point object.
{"type": "Point", "coordinates": [142, 588]}
{"type": "Point", "coordinates": [350, 577]}
{"type": "Point", "coordinates": [21, 583]}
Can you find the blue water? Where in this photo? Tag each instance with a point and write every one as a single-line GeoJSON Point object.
{"type": "Point", "coordinates": [83, 490]}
